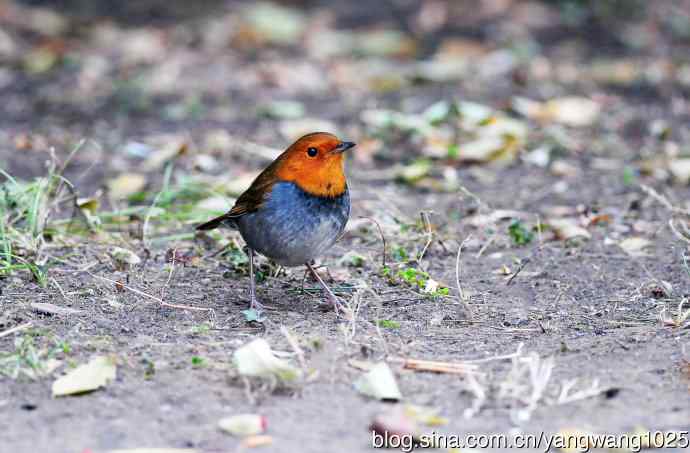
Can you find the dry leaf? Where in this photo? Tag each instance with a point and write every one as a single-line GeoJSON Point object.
{"type": "Point", "coordinates": [126, 184]}
{"type": "Point", "coordinates": [379, 382]}
{"type": "Point", "coordinates": [274, 23]}
{"type": "Point", "coordinates": [214, 204]}
{"type": "Point", "coordinates": [86, 378]}
{"type": "Point", "coordinates": [680, 169]}
{"type": "Point", "coordinates": [566, 229]}
{"type": "Point", "coordinates": [243, 424]}
{"type": "Point", "coordinates": [635, 246]}
{"type": "Point", "coordinates": [570, 111]}
{"type": "Point", "coordinates": [172, 149]}
{"type": "Point", "coordinates": [124, 257]}
{"type": "Point", "coordinates": [413, 172]}
{"type": "Point", "coordinates": [256, 359]}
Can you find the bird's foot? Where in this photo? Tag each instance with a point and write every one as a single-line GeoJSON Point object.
{"type": "Point", "coordinates": [255, 312]}
{"type": "Point", "coordinates": [340, 308]}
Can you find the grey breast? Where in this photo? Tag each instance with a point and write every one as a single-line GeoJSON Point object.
{"type": "Point", "coordinates": [293, 227]}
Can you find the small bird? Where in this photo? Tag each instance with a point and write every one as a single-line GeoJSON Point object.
{"type": "Point", "coordinates": [295, 209]}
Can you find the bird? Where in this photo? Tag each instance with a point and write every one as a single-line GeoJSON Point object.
{"type": "Point", "coordinates": [295, 209]}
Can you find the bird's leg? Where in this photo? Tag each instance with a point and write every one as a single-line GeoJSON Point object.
{"type": "Point", "coordinates": [254, 303]}
{"type": "Point", "coordinates": [337, 305]}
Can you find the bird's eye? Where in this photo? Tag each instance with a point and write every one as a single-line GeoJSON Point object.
{"type": "Point", "coordinates": [312, 152]}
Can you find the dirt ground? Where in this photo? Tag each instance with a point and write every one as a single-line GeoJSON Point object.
{"type": "Point", "coordinates": [564, 282]}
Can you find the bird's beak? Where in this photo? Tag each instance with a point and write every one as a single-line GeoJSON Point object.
{"type": "Point", "coordinates": [342, 147]}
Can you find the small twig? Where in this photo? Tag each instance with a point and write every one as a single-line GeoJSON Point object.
{"type": "Point", "coordinates": [663, 200]}
{"type": "Point", "coordinates": [55, 282]}
{"type": "Point", "coordinates": [677, 233]}
{"type": "Point", "coordinates": [565, 397]}
{"type": "Point", "coordinates": [485, 246]}
{"type": "Point", "coordinates": [461, 293]}
{"type": "Point", "coordinates": [480, 397]}
{"type": "Point", "coordinates": [157, 299]}
{"type": "Point", "coordinates": [439, 367]}
{"type": "Point", "coordinates": [295, 347]}
{"type": "Point", "coordinates": [523, 264]}
{"type": "Point", "coordinates": [429, 237]}
{"type": "Point", "coordinates": [16, 329]}
{"type": "Point", "coordinates": [517, 353]}
{"type": "Point", "coordinates": [383, 238]}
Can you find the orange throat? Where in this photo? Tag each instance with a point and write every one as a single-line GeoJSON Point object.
{"type": "Point", "coordinates": [326, 180]}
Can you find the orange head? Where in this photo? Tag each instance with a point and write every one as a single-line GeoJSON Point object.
{"type": "Point", "coordinates": [315, 164]}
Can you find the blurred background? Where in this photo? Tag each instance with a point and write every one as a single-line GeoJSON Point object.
{"type": "Point", "coordinates": [415, 82]}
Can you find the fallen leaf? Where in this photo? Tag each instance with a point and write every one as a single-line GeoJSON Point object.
{"type": "Point", "coordinates": [483, 149]}
{"type": "Point", "coordinates": [243, 424]}
{"type": "Point", "coordinates": [123, 257]}
{"type": "Point", "coordinates": [237, 185]}
{"type": "Point", "coordinates": [218, 205]}
{"type": "Point", "coordinates": [414, 172]}
{"type": "Point", "coordinates": [425, 415]}
{"type": "Point", "coordinates": [256, 359]}
{"type": "Point", "coordinates": [126, 184]}
{"type": "Point", "coordinates": [88, 204]}
{"type": "Point", "coordinates": [385, 43]}
{"type": "Point", "coordinates": [86, 378]}
{"type": "Point", "coordinates": [570, 111]}
{"type": "Point", "coordinates": [252, 315]}
{"type": "Point", "coordinates": [635, 246]}
{"type": "Point", "coordinates": [169, 151]}
{"type": "Point", "coordinates": [539, 157]}
{"type": "Point", "coordinates": [566, 229]}
{"type": "Point", "coordinates": [482, 220]}
{"type": "Point", "coordinates": [360, 364]}
{"type": "Point", "coordinates": [274, 23]}
{"type": "Point", "coordinates": [379, 382]}
{"type": "Point", "coordinates": [680, 170]}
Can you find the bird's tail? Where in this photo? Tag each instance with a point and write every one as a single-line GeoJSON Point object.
{"type": "Point", "coordinates": [213, 223]}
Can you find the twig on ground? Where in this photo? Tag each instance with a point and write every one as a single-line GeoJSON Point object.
{"type": "Point", "coordinates": [523, 264]}
{"type": "Point", "coordinates": [292, 341]}
{"type": "Point", "coordinates": [526, 383]}
{"type": "Point", "coordinates": [461, 294]}
{"type": "Point", "coordinates": [439, 367]}
{"type": "Point", "coordinates": [485, 246]}
{"type": "Point", "coordinates": [677, 233]}
{"type": "Point", "coordinates": [565, 397]}
{"type": "Point", "coordinates": [57, 285]}
{"type": "Point", "coordinates": [383, 238]}
{"type": "Point", "coordinates": [479, 392]}
{"type": "Point", "coordinates": [663, 200]}
{"type": "Point", "coordinates": [15, 329]}
{"type": "Point", "coordinates": [429, 237]}
{"type": "Point", "coordinates": [149, 296]}
{"type": "Point", "coordinates": [517, 353]}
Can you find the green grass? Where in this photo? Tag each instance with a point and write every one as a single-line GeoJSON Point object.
{"type": "Point", "coordinates": [30, 358]}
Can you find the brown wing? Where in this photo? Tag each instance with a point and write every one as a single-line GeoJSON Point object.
{"type": "Point", "coordinates": [250, 200]}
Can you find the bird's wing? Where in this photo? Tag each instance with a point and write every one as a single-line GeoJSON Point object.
{"type": "Point", "coordinates": [249, 201]}
{"type": "Point", "coordinates": [255, 196]}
